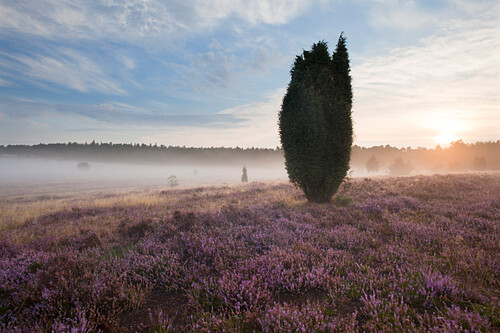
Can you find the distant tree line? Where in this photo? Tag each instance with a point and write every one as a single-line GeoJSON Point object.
{"type": "Point", "coordinates": [458, 156]}
{"type": "Point", "coordinates": [147, 154]}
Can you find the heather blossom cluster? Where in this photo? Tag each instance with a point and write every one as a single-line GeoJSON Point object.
{"type": "Point", "coordinates": [401, 254]}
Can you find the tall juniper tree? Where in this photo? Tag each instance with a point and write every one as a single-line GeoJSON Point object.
{"type": "Point", "coordinates": [315, 121]}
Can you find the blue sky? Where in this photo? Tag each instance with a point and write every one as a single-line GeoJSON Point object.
{"type": "Point", "coordinates": [213, 73]}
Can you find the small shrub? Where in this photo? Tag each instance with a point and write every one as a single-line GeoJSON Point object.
{"type": "Point", "coordinates": [172, 181]}
{"type": "Point", "coordinates": [84, 166]}
{"type": "Point", "coordinates": [343, 201]}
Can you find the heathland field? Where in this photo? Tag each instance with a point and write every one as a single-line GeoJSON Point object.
{"type": "Point", "coordinates": [388, 254]}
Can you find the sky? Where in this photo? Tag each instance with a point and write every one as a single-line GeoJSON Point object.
{"type": "Point", "coordinates": [214, 73]}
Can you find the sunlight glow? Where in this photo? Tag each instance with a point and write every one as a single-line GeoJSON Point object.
{"type": "Point", "coordinates": [445, 138]}
{"type": "Point", "coordinates": [447, 130]}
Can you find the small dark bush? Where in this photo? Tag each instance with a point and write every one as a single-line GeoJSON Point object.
{"type": "Point", "coordinates": [84, 166]}
{"type": "Point", "coordinates": [172, 181]}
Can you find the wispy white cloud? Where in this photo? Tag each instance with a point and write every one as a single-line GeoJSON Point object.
{"type": "Point", "coordinates": [114, 113]}
{"type": "Point", "coordinates": [164, 25]}
{"type": "Point", "coordinates": [256, 124]}
{"type": "Point", "coordinates": [253, 124]}
{"type": "Point", "coordinates": [253, 12]}
{"type": "Point", "coordinates": [401, 15]}
{"type": "Point", "coordinates": [64, 67]}
{"type": "Point", "coordinates": [127, 62]}
{"type": "Point", "coordinates": [472, 7]}
{"type": "Point", "coordinates": [407, 16]}
{"type": "Point", "coordinates": [220, 53]}
{"type": "Point", "coordinates": [17, 16]}
{"type": "Point", "coordinates": [452, 74]}
{"type": "Point", "coordinates": [227, 65]}
{"type": "Point", "coordinates": [3, 82]}
{"type": "Point", "coordinates": [215, 67]}
{"type": "Point", "coordinates": [135, 19]}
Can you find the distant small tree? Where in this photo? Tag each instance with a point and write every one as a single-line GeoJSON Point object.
{"type": "Point", "coordinates": [172, 181]}
{"type": "Point", "coordinates": [372, 165]}
{"type": "Point", "coordinates": [399, 167]}
{"type": "Point", "coordinates": [244, 176]}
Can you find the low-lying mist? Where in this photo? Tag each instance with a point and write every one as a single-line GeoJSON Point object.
{"type": "Point", "coordinates": [20, 175]}
{"type": "Point", "coordinates": [53, 167]}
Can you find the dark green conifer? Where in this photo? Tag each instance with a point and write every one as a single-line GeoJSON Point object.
{"type": "Point", "coordinates": [315, 121]}
{"type": "Point", "coordinates": [244, 176]}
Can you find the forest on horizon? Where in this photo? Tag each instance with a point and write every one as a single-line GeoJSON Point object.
{"type": "Point", "coordinates": [458, 156]}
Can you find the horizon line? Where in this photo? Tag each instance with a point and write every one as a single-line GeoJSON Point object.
{"type": "Point", "coordinates": [238, 147]}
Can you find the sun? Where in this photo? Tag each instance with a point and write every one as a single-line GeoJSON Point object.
{"type": "Point", "coordinates": [445, 138]}
{"type": "Point", "coordinates": [447, 130]}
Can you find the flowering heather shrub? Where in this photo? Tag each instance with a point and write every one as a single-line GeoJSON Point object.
{"type": "Point", "coordinates": [407, 254]}
{"type": "Point", "coordinates": [159, 322]}
{"type": "Point", "coordinates": [390, 204]}
{"type": "Point", "coordinates": [308, 318]}
{"type": "Point", "coordinates": [387, 314]}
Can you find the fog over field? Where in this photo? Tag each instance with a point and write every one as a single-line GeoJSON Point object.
{"type": "Point", "coordinates": [36, 176]}
{"type": "Point", "coordinates": [22, 176]}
